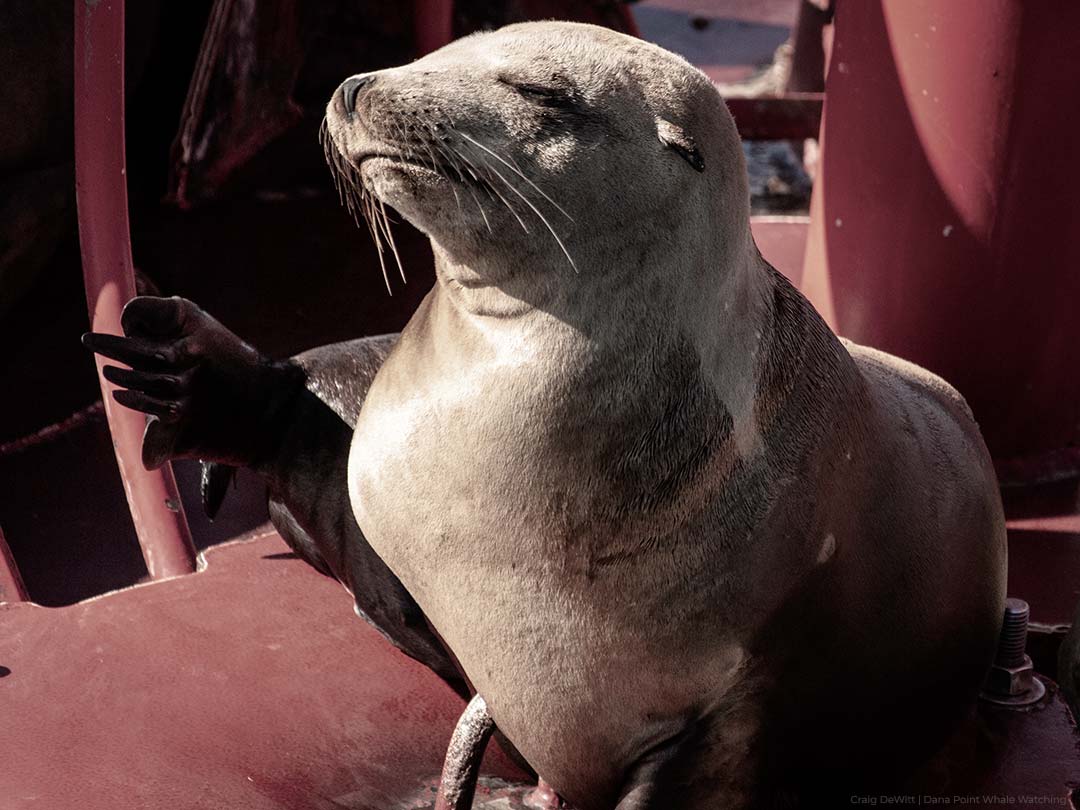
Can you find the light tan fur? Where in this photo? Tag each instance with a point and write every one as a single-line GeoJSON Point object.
{"type": "Point", "coordinates": [666, 521]}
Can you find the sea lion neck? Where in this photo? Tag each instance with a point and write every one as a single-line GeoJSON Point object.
{"type": "Point", "coordinates": [624, 290]}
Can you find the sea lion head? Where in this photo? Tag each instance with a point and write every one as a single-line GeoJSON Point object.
{"type": "Point", "coordinates": [545, 149]}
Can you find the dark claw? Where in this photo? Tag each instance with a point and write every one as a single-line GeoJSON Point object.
{"type": "Point", "coordinates": [139, 353]}
{"type": "Point", "coordinates": [166, 410]}
{"type": "Point", "coordinates": [162, 386]}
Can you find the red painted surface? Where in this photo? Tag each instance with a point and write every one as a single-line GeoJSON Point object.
{"type": "Point", "coordinates": [793, 116]}
{"type": "Point", "coordinates": [250, 684]}
{"type": "Point", "coordinates": [1044, 551]}
{"type": "Point", "coordinates": [945, 216]}
{"type": "Point", "coordinates": [782, 242]}
{"type": "Point", "coordinates": [433, 24]}
{"type": "Point", "coordinates": [101, 194]}
{"type": "Point", "coordinates": [629, 24]}
{"type": "Point", "coordinates": [611, 15]}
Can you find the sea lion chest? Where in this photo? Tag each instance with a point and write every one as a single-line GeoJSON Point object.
{"type": "Point", "coordinates": [494, 487]}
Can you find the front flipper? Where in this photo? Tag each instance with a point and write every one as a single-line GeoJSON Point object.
{"type": "Point", "coordinates": [207, 393]}
{"type": "Point", "coordinates": [211, 396]}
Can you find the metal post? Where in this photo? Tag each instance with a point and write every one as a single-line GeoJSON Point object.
{"type": "Point", "coordinates": [105, 240]}
{"type": "Point", "coordinates": [11, 584]}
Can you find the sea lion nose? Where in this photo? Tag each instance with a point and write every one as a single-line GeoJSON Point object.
{"type": "Point", "coordinates": [350, 87]}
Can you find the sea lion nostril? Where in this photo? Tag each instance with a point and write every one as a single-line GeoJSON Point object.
{"type": "Point", "coordinates": [349, 89]}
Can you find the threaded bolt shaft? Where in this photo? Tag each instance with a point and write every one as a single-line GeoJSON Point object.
{"type": "Point", "coordinates": [1013, 639]}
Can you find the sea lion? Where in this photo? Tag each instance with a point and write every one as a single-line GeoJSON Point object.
{"type": "Point", "coordinates": [691, 548]}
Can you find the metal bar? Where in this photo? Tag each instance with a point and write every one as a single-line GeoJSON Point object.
{"type": "Point", "coordinates": [12, 588]}
{"type": "Point", "coordinates": [433, 24]}
{"type": "Point", "coordinates": [808, 47]}
{"type": "Point", "coordinates": [105, 240]}
{"type": "Point", "coordinates": [790, 117]}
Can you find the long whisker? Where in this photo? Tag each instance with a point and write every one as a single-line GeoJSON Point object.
{"type": "Point", "coordinates": [439, 153]}
{"type": "Point", "coordinates": [516, 171]}
{"type": "Point", "coordinates": [480, 208]}
{"type": "Point", "coordinates": [360, 203]}
{"type": "Point", "coordinates": [443, 153]}
{"type": "Point", "coordinates": [536, 211]}
{"type": "Point", "coordinates": [493, 190]}
{"type": "Point", "coordinates": [369, 212]}
{"type": "Point", "coordinates": [390, 239]}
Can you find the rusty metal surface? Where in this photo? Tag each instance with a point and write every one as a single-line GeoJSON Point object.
{"type": "Point", "coordinates": [1011, 680]}
{"type": "Point", "coordinates": [101, 196]}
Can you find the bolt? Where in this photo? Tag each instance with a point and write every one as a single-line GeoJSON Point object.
{"type": "Point", "coordinates": [1013, 639]}
{"type": "Point", "coordinates": [1011, 680]}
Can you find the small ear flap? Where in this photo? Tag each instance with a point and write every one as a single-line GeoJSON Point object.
{"type": "Point", "coordinates": [679, 139]}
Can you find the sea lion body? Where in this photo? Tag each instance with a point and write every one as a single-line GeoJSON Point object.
{"type": "Point", "coordinates": [599, 633]}
{"type": "Point", "coordinates": [665, 520]}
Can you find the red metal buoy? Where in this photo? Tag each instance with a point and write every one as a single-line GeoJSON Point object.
{"type": "Point", "coordinates": [944, 218]}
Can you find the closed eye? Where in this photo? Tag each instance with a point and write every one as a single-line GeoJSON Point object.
{"type": "Point", "coordinates": [537, 91]}
{"type": "Point", "coordinates": [544, 95]}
